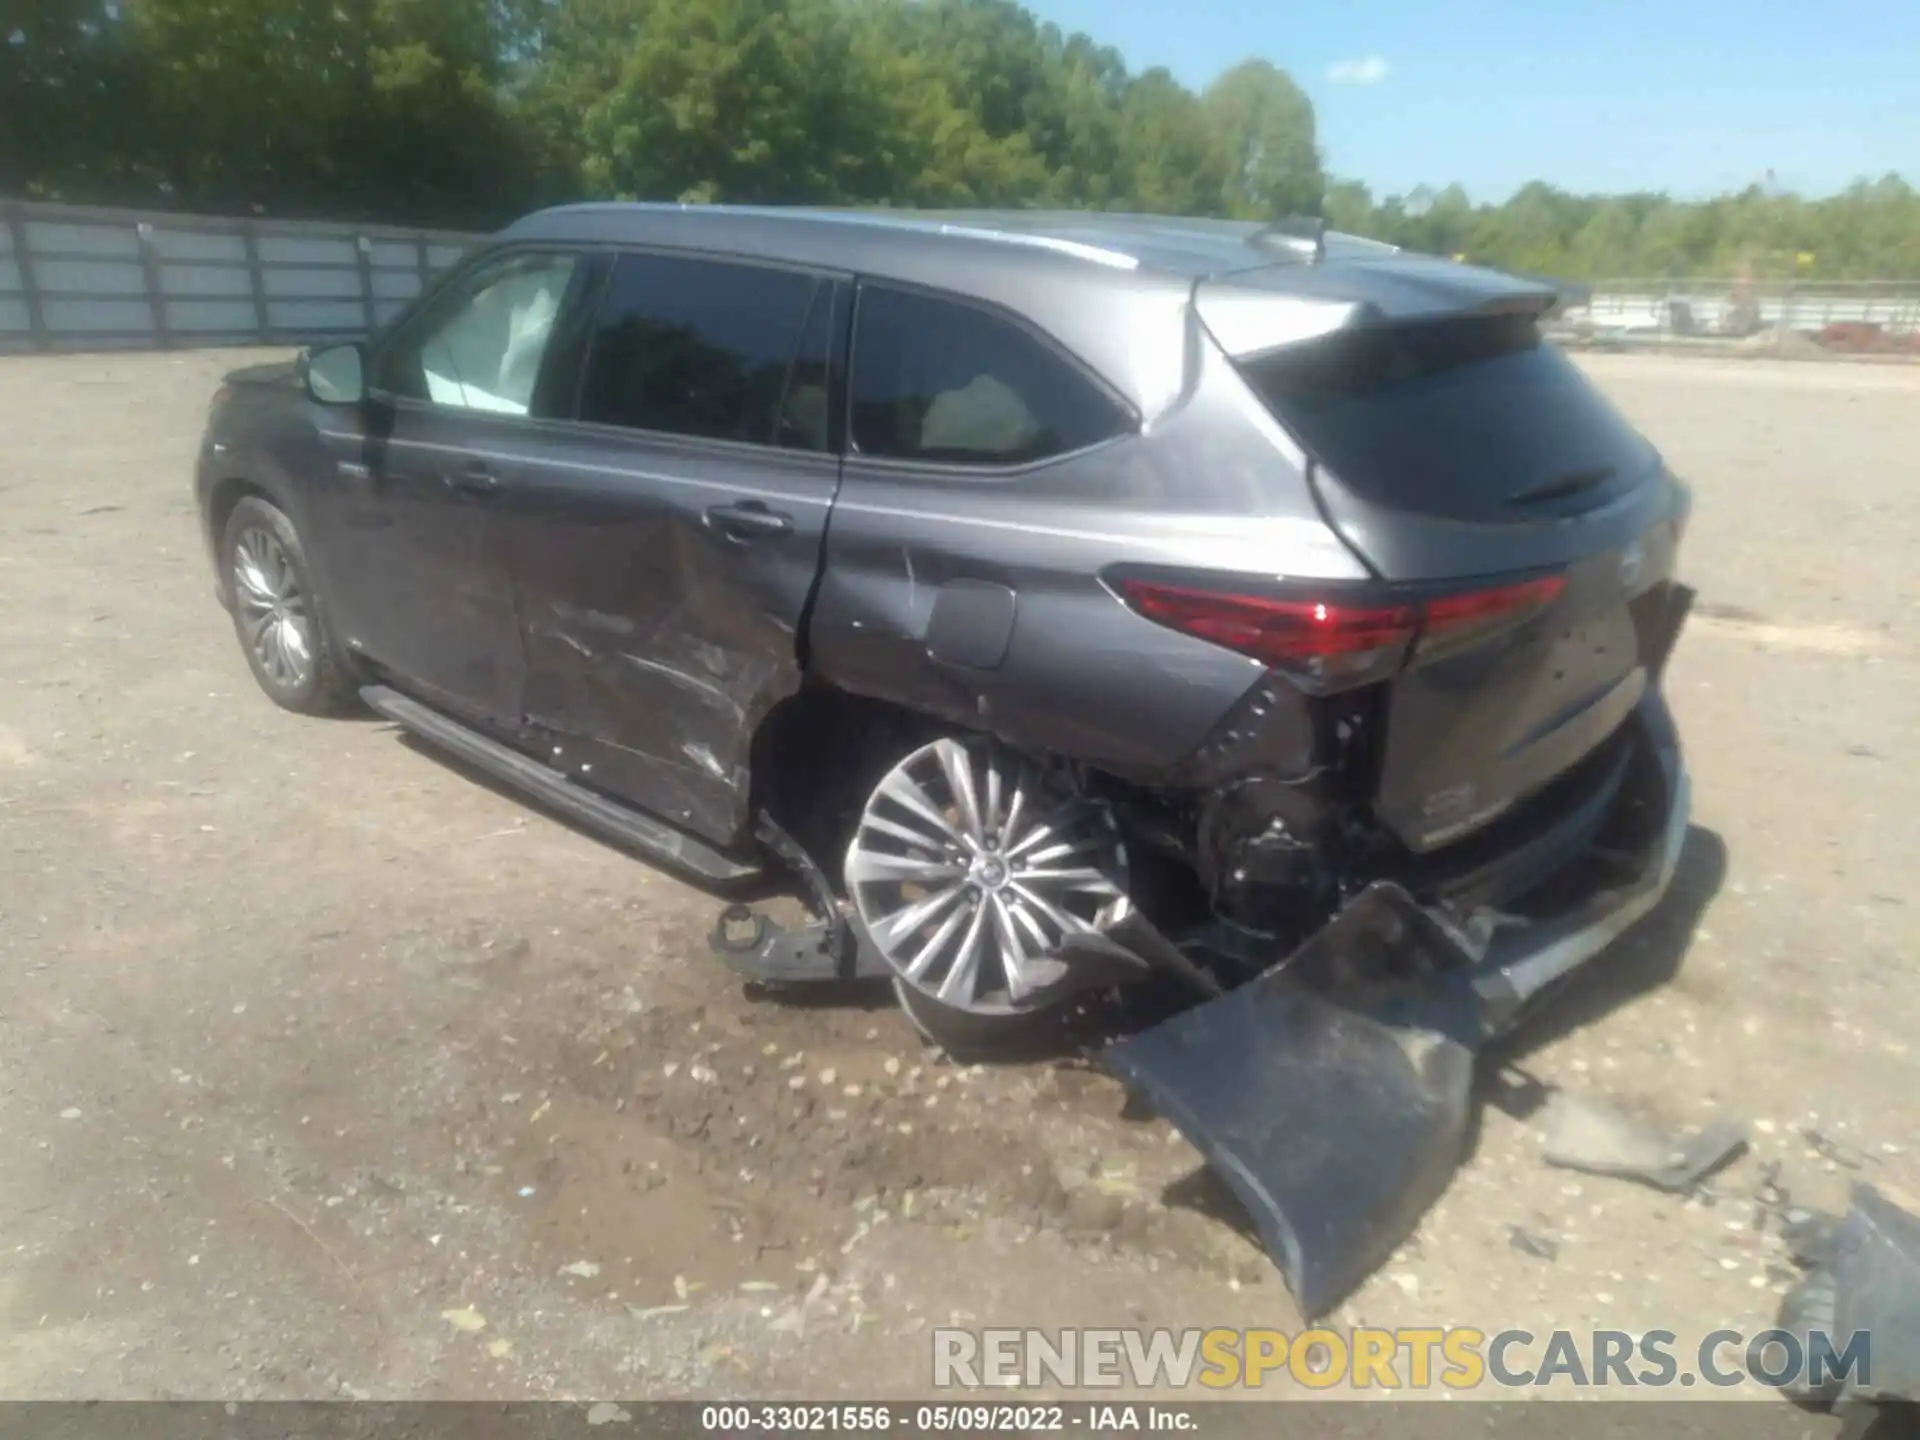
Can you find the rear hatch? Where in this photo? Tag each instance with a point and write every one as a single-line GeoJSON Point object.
{"type": "Point", "coordinates": [1499, 498]}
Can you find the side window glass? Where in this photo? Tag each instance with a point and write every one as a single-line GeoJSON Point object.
{"type": "Point", "coordinates": [806, 408]}
{"type": "Point", "coordinates": [940, 380]}
{"type": "Point", "coordinates": [697, 347]}
{"type": "Point", "coordinates": [483, 349]}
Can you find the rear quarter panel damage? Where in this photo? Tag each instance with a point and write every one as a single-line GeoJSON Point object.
{"type": "Point", "coordinates": [1057, 662]}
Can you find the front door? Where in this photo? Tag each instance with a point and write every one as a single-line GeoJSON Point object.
{"type": "Point", "coordinates": [453, 419]}
{"type": "Point", "coordinates": [666, 549]}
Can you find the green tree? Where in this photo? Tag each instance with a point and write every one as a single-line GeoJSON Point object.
{"type": "Point", "coordinates": [1264, 124]}
{"type": "Point", "coordinates": [1171, 160]}
{"type": "Point", "coordinates": [381, 108]}
{"type": "Point", "coordinates": [466, 112]}
{"type": "Point", "coordinates": [68, 100]}
{"type": "Point", "coordinates": [1348, 206]}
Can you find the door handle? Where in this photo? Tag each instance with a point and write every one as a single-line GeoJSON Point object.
{"type": "Point", "coordinates": [747, 520]}
{"type": "Point", "coordinates": [473, 478]}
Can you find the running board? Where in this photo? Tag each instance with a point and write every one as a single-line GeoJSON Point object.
{"type": "Point", "coordinates": [609, 820]}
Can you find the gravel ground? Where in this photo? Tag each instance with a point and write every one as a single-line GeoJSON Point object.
{"type": "Point", "coordinates": [327, 1071]}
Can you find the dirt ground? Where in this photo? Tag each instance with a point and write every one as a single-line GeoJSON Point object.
{"type": "Point", "coordinates": [327, 1071]}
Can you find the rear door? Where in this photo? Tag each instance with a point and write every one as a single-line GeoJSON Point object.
{"type": "Point", "coordinates": [424, 586]}
{"type": "Point", "coordinates": [666, 549]}
{"type": "Point", "coordinates": [1471, 464]}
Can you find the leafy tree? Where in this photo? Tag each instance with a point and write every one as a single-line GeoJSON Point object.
{"type": "Point", "coordinates": [367, 107]}
{"type": "Point", "coordinates": [65, 79]}
{"type": "Point", "coordinates": [1171, 160]}
{"type": "Point", "coordinates": [467, 112]}
{"type": "Point", "coordinates": [1349, 206]}
{"type": "Point", "coordinates": [1264, 123]}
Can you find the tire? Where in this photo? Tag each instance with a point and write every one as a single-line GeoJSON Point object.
{"type": "Point", "coordinates": [963, 872]}
{"type": "Point", "coordinates": [279, 616]}
{"type": "Point", "coordinates": [967, 1037]}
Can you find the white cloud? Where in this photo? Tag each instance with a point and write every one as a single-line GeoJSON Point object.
{"type": "Point", "coordinates": [1367, 70]}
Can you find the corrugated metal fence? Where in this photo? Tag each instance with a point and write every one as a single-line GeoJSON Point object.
{"type": "Point", "coordinates": [82, 278]}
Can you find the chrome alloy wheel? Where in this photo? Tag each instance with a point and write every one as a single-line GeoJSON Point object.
{"type": "Point", "coordinates": [966, 875]}
{"type": "Point", "coordinates": [276, 620]}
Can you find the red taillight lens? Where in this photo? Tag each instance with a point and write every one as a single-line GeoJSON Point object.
{"type": "Point", "coordinates": [1328, 644]}
{"type": "Point", "coordinates": [1456, 622]}
{"type": "Point", "coordinates": [1272, 630]}
{"type": "Point", "coordinates": [1502, 603]}
{"type": "Point", "coordinates": [1320, 642]}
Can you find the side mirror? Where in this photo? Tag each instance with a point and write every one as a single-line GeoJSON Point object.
{"type": "Point", "coordinates": [335, 375]}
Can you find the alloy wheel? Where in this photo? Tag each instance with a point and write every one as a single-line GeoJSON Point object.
{"type": "Point", "coordinates": [966, 874]}
{"type": "Point", "coordinates": [276, 620]}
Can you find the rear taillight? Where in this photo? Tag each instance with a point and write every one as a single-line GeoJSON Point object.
{"type": "Point", "coordinates": [1332, 644]}
{"type": "Point", "coordinates": [1324, 644]}
{"type": "Point", "coordinates": [1453, 620]}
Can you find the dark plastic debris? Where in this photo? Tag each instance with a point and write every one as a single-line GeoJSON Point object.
{"type": "Point", "coordinates": [1585, 1135]}
{"type": "Point", "coordinates": [1865, 1279]}
{"type": "Point", "coordinates": [1331, 1093]}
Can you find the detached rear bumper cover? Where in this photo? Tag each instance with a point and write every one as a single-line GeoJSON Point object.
{"type": "Point", "coordinates": [1332, 1093]}
{"type": "Point", "coordinates": [1335, 1109]}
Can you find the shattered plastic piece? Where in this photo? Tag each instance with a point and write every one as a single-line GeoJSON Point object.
{"type": "Point", "coordinates": [1586, 1135]}
{"type": "Point", "coordinates": [467, 1320]}
{"type": "Point", "coordinates": [1337, 1110]}
{"type": "Point", "coordinates": [1540, 1247]}
{"type": "Point", "coordinates": [1866, 1281]}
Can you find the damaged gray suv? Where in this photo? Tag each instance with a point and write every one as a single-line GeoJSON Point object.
{"type": "Point", "coordinates": [1015, 581]}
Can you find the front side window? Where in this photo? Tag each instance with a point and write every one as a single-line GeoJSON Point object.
{"type": "Point", "coordinates": [706, 348]}
{"type": "Point", "coordinates": [482, 348]}
{"type": "Point", "coordinates": [940, 380]}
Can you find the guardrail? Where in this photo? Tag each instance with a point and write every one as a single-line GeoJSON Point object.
{"type": "Point", "coordinates": [87, 278]}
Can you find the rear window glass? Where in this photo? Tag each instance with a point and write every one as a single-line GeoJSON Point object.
{"type": "Point", "coordinates": [1474, 416]}
{"type": "Point", "coordinates": [939, 380]}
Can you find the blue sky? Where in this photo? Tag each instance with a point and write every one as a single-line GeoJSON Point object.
{"type": "Point", "coordinates": [1691, 96]}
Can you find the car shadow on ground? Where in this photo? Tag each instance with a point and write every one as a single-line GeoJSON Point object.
{"type": "Point", "coordinates": [1643, 960]}
{"type": "Point", "coordinates": [773, 884]}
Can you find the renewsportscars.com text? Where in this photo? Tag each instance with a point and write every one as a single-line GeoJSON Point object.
{"type": "Point", "coordinates": [1410, 1358]}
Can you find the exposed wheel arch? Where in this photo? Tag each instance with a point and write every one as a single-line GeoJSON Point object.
{"type": "Point", "coordinates": [817, 754]}
{"type": "Point", "coordinates": [225, 495]}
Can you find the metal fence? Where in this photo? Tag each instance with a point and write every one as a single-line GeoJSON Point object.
{"type": "Point", "coordinates": [82, 278]}
{"type": "Point", "coordinates": [1733, 309]}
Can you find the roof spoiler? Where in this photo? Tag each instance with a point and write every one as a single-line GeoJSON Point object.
{"type": "Point", "coordinates": [1252, 312]}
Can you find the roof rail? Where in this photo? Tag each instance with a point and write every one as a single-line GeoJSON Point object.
{"type": "Point", "coordinates": [1302, 235]}
{"type": "Point", "coordinates": [1098, 254]}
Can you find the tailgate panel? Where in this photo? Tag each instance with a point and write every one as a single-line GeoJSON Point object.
{"type": "Point", "coordinates": [1470, 731]}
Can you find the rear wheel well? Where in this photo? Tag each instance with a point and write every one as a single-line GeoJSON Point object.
{"type": "Point", "coordinates": [816, 756]}
{"type": "Point", "coordinates": [819, 753]}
